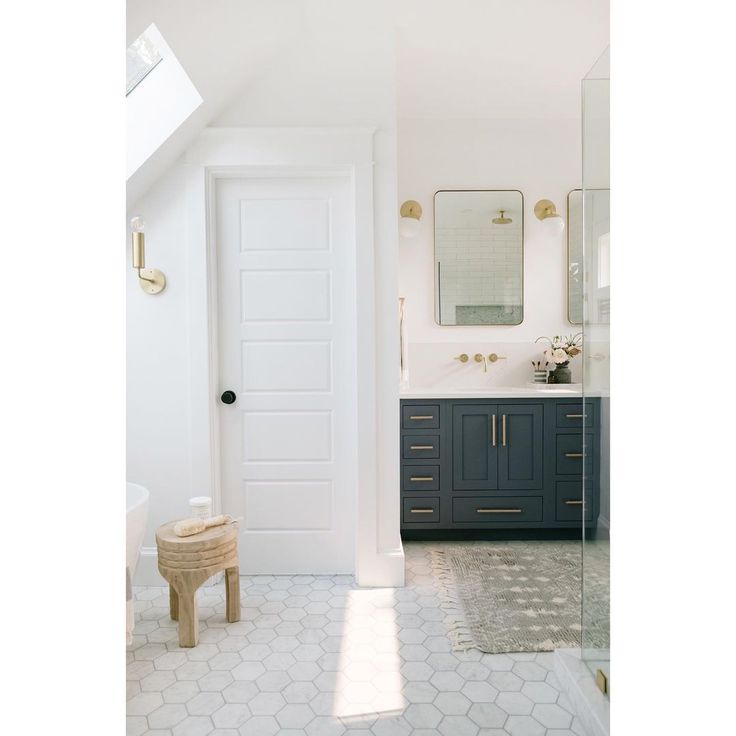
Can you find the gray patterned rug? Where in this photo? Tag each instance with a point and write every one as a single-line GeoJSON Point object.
{"type": "Point", "coordinates": [511, 596]}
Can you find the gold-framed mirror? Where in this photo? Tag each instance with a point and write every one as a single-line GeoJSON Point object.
{"type": "Point", "coordinates": [479, 257]}
{"type": "Point", "coordinates": [594, 230]}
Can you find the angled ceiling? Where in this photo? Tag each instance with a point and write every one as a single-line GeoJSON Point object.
{"type": "Point", "coordinates": [222, 45]}
{"type": "Point", "coordinates": [468, 59]}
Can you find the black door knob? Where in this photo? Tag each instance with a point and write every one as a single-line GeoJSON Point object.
{"type": "Point", "coordinates": [228, 397]}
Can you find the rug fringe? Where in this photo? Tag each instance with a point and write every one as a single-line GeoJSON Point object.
{"type": "Point", "coordinates": [460, 634]}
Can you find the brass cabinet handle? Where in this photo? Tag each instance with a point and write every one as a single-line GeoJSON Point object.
{"type": "Point", "coordinates": [421, 477]}
{"type": "Point", "coordinates": [422, 416]}
{"type": "Point", "coordinates": [503, 430]}
{"type": "Point", "coordinates": [422, 511]}
{"type": "Point", "coordinates": [575, 416]}
{"type": "Point", "coordinates": [493, 431]}
{"type": "Point", "coordinates": [421, 447]}
{"type": "Point", "coordinates": [574, 503]}
{"type": "Point", "coordinates": [574, 454]}
{"type": "Point", "coordinates": [498, 511]}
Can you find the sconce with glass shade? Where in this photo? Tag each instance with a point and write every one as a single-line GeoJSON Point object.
{"type": "Point", "coordinates": [552, 223]}
{"type": "Point", "coordinates": [411, 213]}
{"type": "Point", "coordinates": [152, 280]}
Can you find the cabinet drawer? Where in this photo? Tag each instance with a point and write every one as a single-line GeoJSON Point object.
{"type": "Point", "coordinates": [420, 478]}
{"type": "Point", "coordinates": [418, 446]}
{"type": "Point", "coordinates": [570, 454]}
{"type": "Point", "coordinates": [569, 496]}
{"type": "Point", "coordinates": [570, 416]}
{"type": "Point", "coordinates": [420, 417]}
{"type": "Point", "coordinates": [421, 510]}
{"type": "Point", "coordinates": [495, 509]}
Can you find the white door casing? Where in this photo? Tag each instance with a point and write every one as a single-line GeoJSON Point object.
{"type": "Point", "coordinates": [286, 259]}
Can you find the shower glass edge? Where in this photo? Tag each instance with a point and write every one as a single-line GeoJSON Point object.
{"type": "Point", "coordinates": [595, 94]}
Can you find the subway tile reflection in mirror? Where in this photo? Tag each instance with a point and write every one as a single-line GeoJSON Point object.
{"type": "Point", "coordinates": [479, 260]}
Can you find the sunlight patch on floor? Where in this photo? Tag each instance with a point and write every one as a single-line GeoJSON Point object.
{"type": "Point", "coordinates": [369, 676]}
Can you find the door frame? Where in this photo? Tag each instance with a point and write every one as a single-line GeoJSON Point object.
{"type": "Point", "coordinates": [278, 152]}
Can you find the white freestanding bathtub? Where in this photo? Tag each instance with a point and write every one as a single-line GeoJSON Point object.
{"type": "Point", "coordinates": [136, 511]}
{"type": "Point", "coordinates": [136, 505]}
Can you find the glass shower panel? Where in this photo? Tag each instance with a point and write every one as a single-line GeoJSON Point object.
{"type": "Point", "coordinates": [596, 360]}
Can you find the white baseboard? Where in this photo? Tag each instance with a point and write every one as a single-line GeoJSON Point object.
{"type": "Point", "coordinates": [385, 570]}
{"type": "Point", "coordinates": [146, 572]}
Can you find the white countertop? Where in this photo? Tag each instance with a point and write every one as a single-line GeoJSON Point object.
{"type": "Point", "coordinates": [572, 390]}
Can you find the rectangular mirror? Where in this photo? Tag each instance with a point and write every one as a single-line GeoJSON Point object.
{"type": "Point", "coordinates": [479, 257]}
{"type": "Point", "coordinates": [598, 225]}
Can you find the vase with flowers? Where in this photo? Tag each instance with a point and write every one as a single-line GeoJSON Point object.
{"type": "Point", "coordinates": [559, 353]}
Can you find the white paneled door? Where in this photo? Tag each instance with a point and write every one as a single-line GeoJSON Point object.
{"type": "Point", "coordinates": [287, 344]}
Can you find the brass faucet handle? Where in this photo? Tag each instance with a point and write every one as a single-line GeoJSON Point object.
{"type": "Point", "coordinates": [463, 358]}
{"type": "Point", "coordinates": [479, 357]}
{"type": "Point", "coordinates": [493, 357]}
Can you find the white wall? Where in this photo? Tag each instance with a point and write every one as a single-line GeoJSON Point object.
{"type": "Point", "coordinates": [158, 397]}
{"type": "Point", "coordinates": [341, 73]}
{"type": "Point", "coordinates": [539, 157]}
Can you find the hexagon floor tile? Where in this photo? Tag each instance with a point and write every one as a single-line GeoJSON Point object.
{"type": "Point", "coordinates": [317, 656]}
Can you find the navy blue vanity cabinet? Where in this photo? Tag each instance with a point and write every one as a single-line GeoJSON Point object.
{"type": "Point", "coordinates": [475, 464]}
{"type": "Point", "coordinates": [521, 448]}
{"type": "Point", "coordinates": [475, 441]}
{"type": "Point", "coordinates": [497, 447]}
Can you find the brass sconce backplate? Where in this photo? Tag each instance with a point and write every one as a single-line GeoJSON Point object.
{"type": "Point", "coordinates": [411, 208]}
{"type": "Point", "coordinates": [152, 280]}
{"type": "Point", "coordinates": [545, 208]}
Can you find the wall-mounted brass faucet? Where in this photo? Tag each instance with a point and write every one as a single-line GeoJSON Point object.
{"type": "Point", "coordinates": [480, 358]}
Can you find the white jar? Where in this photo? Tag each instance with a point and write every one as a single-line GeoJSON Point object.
{"type": "Point", "coordinates": [201, 507]}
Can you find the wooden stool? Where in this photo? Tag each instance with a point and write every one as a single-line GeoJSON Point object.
{"type": "Point", "coordinates": [187, 562]}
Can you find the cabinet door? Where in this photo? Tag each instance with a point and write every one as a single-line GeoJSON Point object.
{"type": "Point", "coordinates": [474, 456]}
{"type": "Point", "coordinates": [520, 451]}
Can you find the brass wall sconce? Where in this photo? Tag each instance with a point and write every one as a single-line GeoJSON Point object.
{"type": "Point", "coordinates": [411, 213]}
{"type": "Point", "coordinates": [546, 212]}
{"type": "Point", "coordinates": [152, 280]}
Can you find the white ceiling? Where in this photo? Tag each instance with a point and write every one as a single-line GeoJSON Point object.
{"type": "Point", "coordinates": [468, 59]}
{"type": "Point", "coordinates": [497, 58]}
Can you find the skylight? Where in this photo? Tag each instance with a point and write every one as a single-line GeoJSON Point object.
{"type": "Point", "coordinates": [141, 59]}
{"type": "Point", "coordinates": [159, 96]}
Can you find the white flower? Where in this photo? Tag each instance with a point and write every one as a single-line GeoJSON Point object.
{"type": "Point", "coordinates": [560, 356]}
{"type": "Point", "coordinates": [548, 355]}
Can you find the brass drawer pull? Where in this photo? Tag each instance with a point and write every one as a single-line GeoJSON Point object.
{"type": "Point", "coordinates": [421, 477]}
{"type": "Point", "coordinates": [421, 447]}
{"type": "Point", "coordinates": [498, 511]}
{"type": "Point", "coordinates": [422, 416]}
{"type": "Point", "coordinates": [493, 431]}
{"type": "Point", "coordinates": [422, 511]}
{"type": "Point", "coordinates": [576, 416]}
{"type": "Point", "coordinates": [574, 454]}
{"type": "Point", "coordinates": [503, 430]}
{"type": "Point", "coordinates": [574, 503]}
